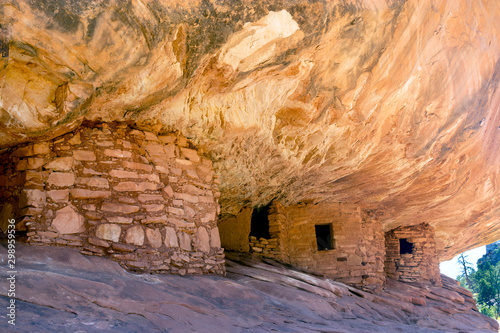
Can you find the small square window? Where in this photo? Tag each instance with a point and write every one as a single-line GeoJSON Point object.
{"type": "Point", "coordinates": [405, 247]}
{"type": "Point", "coordinates": [324, 237]}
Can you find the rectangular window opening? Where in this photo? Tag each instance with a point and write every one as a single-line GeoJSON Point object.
{"type": "Point", "coordinates": [324, 237]}
{"type": "Point", "coordinates": [405, 247]}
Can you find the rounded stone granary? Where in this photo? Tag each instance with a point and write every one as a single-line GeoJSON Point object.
{"type": "Point", "coordinates": [148, 201]}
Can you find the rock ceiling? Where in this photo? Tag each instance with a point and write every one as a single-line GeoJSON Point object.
{"type": "Point", "coordinates": [389, 104]}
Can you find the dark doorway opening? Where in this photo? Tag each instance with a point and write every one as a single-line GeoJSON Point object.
{"type": "Point", "coordinates": [405, 247]}
{"type": "Point", "coordinates": [259, 226]}
{"type": "Point", "coordinates": [324, 237]}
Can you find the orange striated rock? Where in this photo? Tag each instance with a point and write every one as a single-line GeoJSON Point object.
{"type": "Point", "coordinates": [391, 105]}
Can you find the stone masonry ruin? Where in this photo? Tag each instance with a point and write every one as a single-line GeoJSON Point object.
{"type": "Point", "coordinates": [411, 254]}
{"type": "Point", "coordinates": [149, 202]}
{"type": "Point", "coordinates": [341, 241]}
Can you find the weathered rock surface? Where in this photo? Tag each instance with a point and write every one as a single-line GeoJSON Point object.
{"type": "Point", "coordinates": [58, 289]}
{"type": "Point", "coordinates": [391, 104]}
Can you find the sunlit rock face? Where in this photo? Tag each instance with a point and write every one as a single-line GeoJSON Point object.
{"type": "Point", "coordinates": [392, 105]}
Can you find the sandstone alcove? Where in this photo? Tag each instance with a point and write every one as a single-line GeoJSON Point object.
{"type": "Point", "coordinates": [327, 136]}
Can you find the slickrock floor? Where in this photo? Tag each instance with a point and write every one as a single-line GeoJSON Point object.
{"type": "Point", "coordinates": [60, 290]}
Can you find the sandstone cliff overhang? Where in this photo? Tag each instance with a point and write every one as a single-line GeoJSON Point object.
{"type": "Point", "coordinates": [391, 105]}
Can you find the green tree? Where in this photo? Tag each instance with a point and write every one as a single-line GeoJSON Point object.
{"type": "Point", "coordinates": [466, 270]}
{"type": "Point", "coordinates": [487, 279]}
{"type": "Point", "coordinates": [485, 282]}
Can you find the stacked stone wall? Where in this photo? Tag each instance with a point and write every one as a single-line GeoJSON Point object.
{"type": "Point", "coordinates": [421, 265]}
{"type": "Point", "coordinates": [276, 247]}
{"type": "Point", "coordinates": [267, 248]}
{"type": "Point", "coordinates": [358, 256]}
{"type": "Point", "coordinates": [150, 202]}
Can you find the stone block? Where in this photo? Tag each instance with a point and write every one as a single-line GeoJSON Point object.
{"type": "Point", "coordinates": [35, 198]}
{"type": "Point", "coordinates": [84, 155]}
{"type": "Point", "coordinates": [75, 140]}
{"type": "Point", "coordinates": [23, 151]}
{"type": "Point", "coordinates": [181, 141]}
{"type": "Point", "coordinates": [119, 208]}
{"type": "Point", "coordinates": [153, 208]}
{"type": "Point", "coordinates": [48, 234]}
{"type": "Point", "coordinates": [183, 163]}
{"type": "Point", "coordinates": [123, 174]}
{"type": "Point", "coordinates": [34, 163]}
{"type": "Point", "coordinates": [204, 170]}
{"type": "Point", "coordinates": [126, 144]}
{"type": "Point", "coordinates": [150, 136]}
{"type": "Point", "coordinates": [28, 211]}
{"type": "Point", "coordinates": [191, 189]}
{"type": "Point", "coordinates": [117, 153]}
{"type": "Point", "coordinates": [59, 195]}
{"type": "Point", "coordinates": [167, 138]}
{"type": "Point", "coordinates": [98, 242]}
{"type": "Point", "coordinates": [186, 197]}
{"type": "Point", "coordinates": [137, 133]}
{"type": "Point", "coordinates": [150, 197]}
{"type": "Point", "coordinates": [79, 193]}
{"type": "Point", "coordinates": [93, 182]}
{"type": "Point", "coordinates": [202, 240]}
{"type": "Point", "coordinates": [185, 241]}
{"type": "Point", "coordinates": [151, 177]}
{"type": "Point", "coordinates": [60, 164]}
{"type": "Point", "coordinates": [42, 148]}
{"type": "Point", "coordinates": [154, 219]}
{"type": "Point", "coordinates": [158, 159]}
{"type": "Point", "coordinates": [93, 215]}
{"type": "Point", "coordinates": [61, 179]}
{"type": "Point", "coordinates": [135, 187]}
{"type": "Point", "coordinates": [175, 211]}
{"type": "Point", "coordinates": [208, 200]}
{"type": "Point", "coordinates": [127, 200]}
{"type": "Point", "coordinates": [135, 236]}
{"type": "Point", "coordinates": [137, 166]}
{"type": "Point", "coordinates": [190, 212]}
{"type": "Point", "coordinates": [119, 219]}
{"type": "Point", "coordinates": [91, 172]}
{"type": "Point", "coordinates": [190, 154]}
{"type": "Point", "coordinates": [154, 237]}
{"type": "Point", "coordinates": [109, 232]}
{"type": "Point", "coordinates": [155, 149]}
{"type": "Point", "coordinates": [123, 247]}
{"type": "Point", "coordinates": [162, 169]}
{"type": "Point", "coordinates": [176, 171]}
{"type": "Point", "coordinates": [209, 217]}
{"type": "Point", "coordinates": [104, 143]}
{"type": "Point", "coordinates": [169, 151]}
{"type": "Point", "coordinates": [68, 221]}
{"type": "Point", "coordinates": [138, 264]}
{"type": "Point", "coordinates": [178, 222]}
{"type": "Point", "coordinates": [168, 191]}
